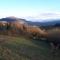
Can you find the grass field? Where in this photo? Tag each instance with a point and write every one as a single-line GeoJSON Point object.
{"type": "Point", "coordinates": [20, 48]}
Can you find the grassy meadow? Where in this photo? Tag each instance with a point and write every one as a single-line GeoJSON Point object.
{"type": "Point", "coordinates": [21, 48]}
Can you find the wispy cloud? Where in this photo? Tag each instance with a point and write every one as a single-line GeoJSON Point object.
{"type": "Point", "coordinates": [46, 16]}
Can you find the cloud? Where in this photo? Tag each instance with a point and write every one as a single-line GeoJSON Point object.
{"type": "Point", "coordinates": [46, 16]}
{"type": "Point", "coordinates": [50, 15]}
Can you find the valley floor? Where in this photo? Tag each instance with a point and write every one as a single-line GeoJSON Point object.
{"type": "Point", "coordinates": [19, 48]}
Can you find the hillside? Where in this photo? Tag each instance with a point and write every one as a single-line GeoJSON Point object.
{"type": "Point", "coordinates": [19, 48]}
{"type": "Point", "coordinates": [17, 40]}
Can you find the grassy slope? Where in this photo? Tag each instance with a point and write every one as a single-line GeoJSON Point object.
{"type": "Point", "coordinates": [19, 48]}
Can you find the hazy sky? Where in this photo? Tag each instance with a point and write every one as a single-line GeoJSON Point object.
{"type": "Point", "coordinates": [30, 9]}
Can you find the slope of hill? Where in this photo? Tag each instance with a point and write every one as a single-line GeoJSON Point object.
{"type": "Point", "coordinates": [20, 48]}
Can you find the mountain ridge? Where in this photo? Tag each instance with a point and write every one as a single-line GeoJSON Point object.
{"type": "Point", "coordinates": [15, 19]}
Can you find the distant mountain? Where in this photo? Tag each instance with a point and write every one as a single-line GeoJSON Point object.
{"type": "Point", "coordinates": [57, 25]}
{"type": "Point", "coordinates": [49, 23]}
{"type": "Point", "coordinates": [12, 19]}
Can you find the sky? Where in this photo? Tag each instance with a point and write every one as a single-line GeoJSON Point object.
{"type": "Point", "coordinates": [30, 9]}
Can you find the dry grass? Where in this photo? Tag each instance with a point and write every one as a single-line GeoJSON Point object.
{"type": "Point", "coordinates": [19, 48]}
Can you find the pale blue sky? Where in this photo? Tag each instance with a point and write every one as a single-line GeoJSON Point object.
{"type": "Point", "coordinates": [30, 9]}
